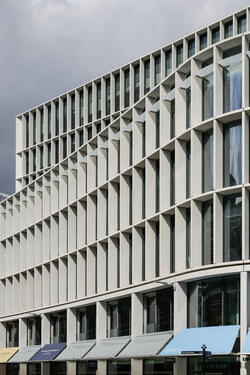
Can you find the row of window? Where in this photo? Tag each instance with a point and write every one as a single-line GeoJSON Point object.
{"type": "Point", "coordinates": [211, 302]}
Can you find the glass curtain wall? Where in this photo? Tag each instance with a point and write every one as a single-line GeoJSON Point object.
{"type": "Point", "coordinates": [232, 205]}
{"type": "Point", "coordinates": [232, 80]}
{"type": "Point", "coordinates": [232, 154]}
{"type": "Point", "coordinates": [214, 302]}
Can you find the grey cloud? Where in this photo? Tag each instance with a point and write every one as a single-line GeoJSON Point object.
{"type": "Point", "coordinates": [50, 46]}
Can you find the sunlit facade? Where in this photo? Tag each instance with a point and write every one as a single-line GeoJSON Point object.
{"type": "Point", "coordinates": [126, 244]}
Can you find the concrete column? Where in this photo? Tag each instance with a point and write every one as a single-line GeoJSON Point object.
{"type": "Point", "coordinates": [23, 369]}
{"type": "Point", "coordinates": [244, 317]}
{"type": "Point", "coordinates": [71, 368]}
{"type": "Point", "coordinates": [2, 369]}
{"type": "Point", "coordinates": [45, 368]}
{"type": "Point", "coordinates": [2, 335]}
{"type": "Point", "coordinates": [22, 332]}
{"type": "Point", "coordinates": [101, 368]}
{"type": "Point", "coordinates": [180, 321]}
{"type": "Point", "coordinates": [45, 329]}
{"type": "Point", "coordinates": [71, 326]}
{"type": "Point", "coordinates": [136, 366]}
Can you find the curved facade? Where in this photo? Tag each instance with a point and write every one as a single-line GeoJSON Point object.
{"type": "Point", "coordinates": [130, 223]}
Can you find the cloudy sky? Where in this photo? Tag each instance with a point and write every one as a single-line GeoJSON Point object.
{"type": "Point", "coordinates": [50, 46]}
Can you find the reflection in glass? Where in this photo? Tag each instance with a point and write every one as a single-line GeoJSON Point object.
{"type": "Point", "coordinates": [207, 96]}
{"type": "Point", "coordinates": [228, 29]}
{"type": "Point", "coordinates": [179, 55]}
{"type": "Point", "coordinates": [232, 151]}
{"type": "Point", "coordinates": [232, 227]}
{"type": "Point", "coordinates": [214, 302]}
{"type": "Point", "coordinates": [168, 62]}
{"type": "Point", "coordinates": [242, 24]}
{"type": "Point", "coordinates": [207, 161]}
{"type": "Point", "coordinates": [215, 35]}
{"type": "Point", "coordinates": [207, 232]}
{"type": "Point", "coordinates": [157, 69]}
{"type": "Point", "coordinates": [232, 86]}
{"type": "Point", "coordinates": [146, 76]}
{"type": "Point", "coordinates": [191, 47]}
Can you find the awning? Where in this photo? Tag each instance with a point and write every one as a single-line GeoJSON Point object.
{"type": "Point", "coordinates": [246, 347]}
{"type": "Point", "coordinates": [108, 348]}
{"type": "Point", "coordinates": [76, 350]}
{"type": "Point", "coordinates": [218, 340]}
{"type": "Point", "coordinates": [148, 345]}
{"type": "Point", "coordinates": [24, 354]}
{"type": "Point", "coordinates": [6, 354]}
{"type": "Point", "coordinates": [48, 352]}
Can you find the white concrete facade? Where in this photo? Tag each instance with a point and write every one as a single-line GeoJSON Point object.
{"type": "Point", "coordinates": [65, 235]}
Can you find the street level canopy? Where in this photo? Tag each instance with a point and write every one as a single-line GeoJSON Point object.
{"type": "Point", "coordinates": [218, 340]}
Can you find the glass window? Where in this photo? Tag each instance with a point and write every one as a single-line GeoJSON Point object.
{"type": "Point", "coordinates": [41, 157]}
{"type": "Point", "coordinates": [126, 87]}
{"type": "Point", "coordinates": [58, 327]}
{"type": "Point", "coordinates": [89, 131]}
{"type": "Point", "coordinates": [191, 47]}
{"type": "Point", "coordinates": [188, 107]}
{"type": "Point", "coordinates": [242, 24]}
{"type": "Point", "coordinates": [81, 108]}
{"type": "Point", "coordinates": [73, 111]}
{"type": "Point", "coordinates": [34, 331]}
{"type": "Point", "coordinates": [203, 41]}
{"type": "Point", "coordinates": [120, 317]}
{"type": "Point", "coordinates": [217, 365]}
{"type": "Point", "coordinates": [157, 185]}
{"type": "Point", "coordinates": [157, 129]}
{"type": "Point", "coordinates": [90, 102]}
{"type": "Point", "coordinates": [86, 367]}
{"type": "Point", "coordinates": [188, 238]}
{"type": "Point", "coordinates": [179, 55]}
{"type": "Point", "coordinates": [34, 368]}
{"type": "Point", "coordinates": [65, 114]}
{"type": "Point", "coordinates": [157, 69]}
{"type": "Point", "coordinates": [168, 67]}
{"type": "Point", "coordinates": [73, 142]}
{"type": "Point", "coordinates": [12, 334]}
{"type": "Point", "coordinates": [207, 93]}
{"type": "Point", "coordinates": [41, 124]}
{"type": "Point", "coordinates": [216, 35]}
{"type": "Point", "coordinates": [49, 121]}
{"type": "Point", "coordinates": [98, 100]}
{"type": "Point", "coordinates": [34, 159]}
{"type": "Point", "coordinates": [119, 367]}
{"type": "Point", "coordinates": [56, 151]}
{"type": "Point", "coordinates": [27, 162]}
{"type": "Point", "coordinates": [207, 161]}
{"type": "Point", "coordinates": [232, 82]}
{"type": "Point", "coordinates": [232, 227]}
{"type": "Point", "coordinates": [207, 232]}
{"type": "Point", "coordinates": [143, 175]}
{"type": "Point", "coordinates": [27, 130]}
{"type": "Point", "coordinates": [159, 311]}
{"type": "Point", "coordinates": [160, 366]}
{"type": "Point", "coordinates": [64, 147]}
{"type": "Point", "coordinates": [49, 154]}
{"type": "Point", "coordinates": [214, 302]}
{"type": "Point", "coordinates": [136, 83]}
{"type": "Point", "coordinates": [86, 318]}
{"type": "Point", "coordinates": [188, 169]}
{"type": "Point", "coordinates": [172, 178]}
{"type": "Point", "coordinates": [34, 128]}
{"type": "Point", "coordinates": [172, 243]}
{"type": "Point", "coordinates": [107, 82]}
{"type": "Point", "coordinates": [228, 29]}
{"type": "Point", "coordinates": [58, 368]}
{"type": "Point", "coordinates": [57, 118]}
{"type": "Point", "coordinates": [157, 249]}
{"type": "Point", "coordinates": [146, 76]}
{"type": "Point", "coordinates": [117, 92]}
{"type": "Point", "coordinates": [80, 137]}
{"type": "Point", "coordinates": [232, 154]}
{"type": "Point", "coordinates": [172, 119]}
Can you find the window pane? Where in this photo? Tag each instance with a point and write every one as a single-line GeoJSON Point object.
{"type": "Point", "coordinates": [207, 232]}
{"type": "Point", "coordinates": [179, 55]}
{"type": "Point", "coordinates": [146, 76]}
{"type": "Point", "coordinates": [117, 92]}
{"type": "Point", "coordinates": [168, 62]}
{"type": "Point", "coordinates": [136, 83]}
{"type": "Point", "coordinates": [203, 41]}
{"type": "Point", "coordinates": [216, 35]}
{"type": "Point", "coordinates": [191, 47]}
{"type": "Point", "coordinates": [228, 27]}
{"type": "Point", "coordinates": [126, 88]}
{"type": "Point", "coordinates": [157, 69]}
{"type": "Point", "coordinates": [207, 161]}
{"type": "Point", "coordinates": [241, 24]}
{"type": "Point", "coordinates": [232, 154]}
{"type": "Point", "coordinates": [207, 97]}
{"type": "Point", "coordinates": [232, 86]}
{"type": "Point", "coordinates": [232, 227]}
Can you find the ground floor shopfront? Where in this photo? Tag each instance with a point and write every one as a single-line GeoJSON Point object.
{"type": "Point", "coordinates": [217, 365]}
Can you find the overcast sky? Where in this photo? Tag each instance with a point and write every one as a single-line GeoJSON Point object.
{"type": "Point", "coordinates": [50, 46]}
